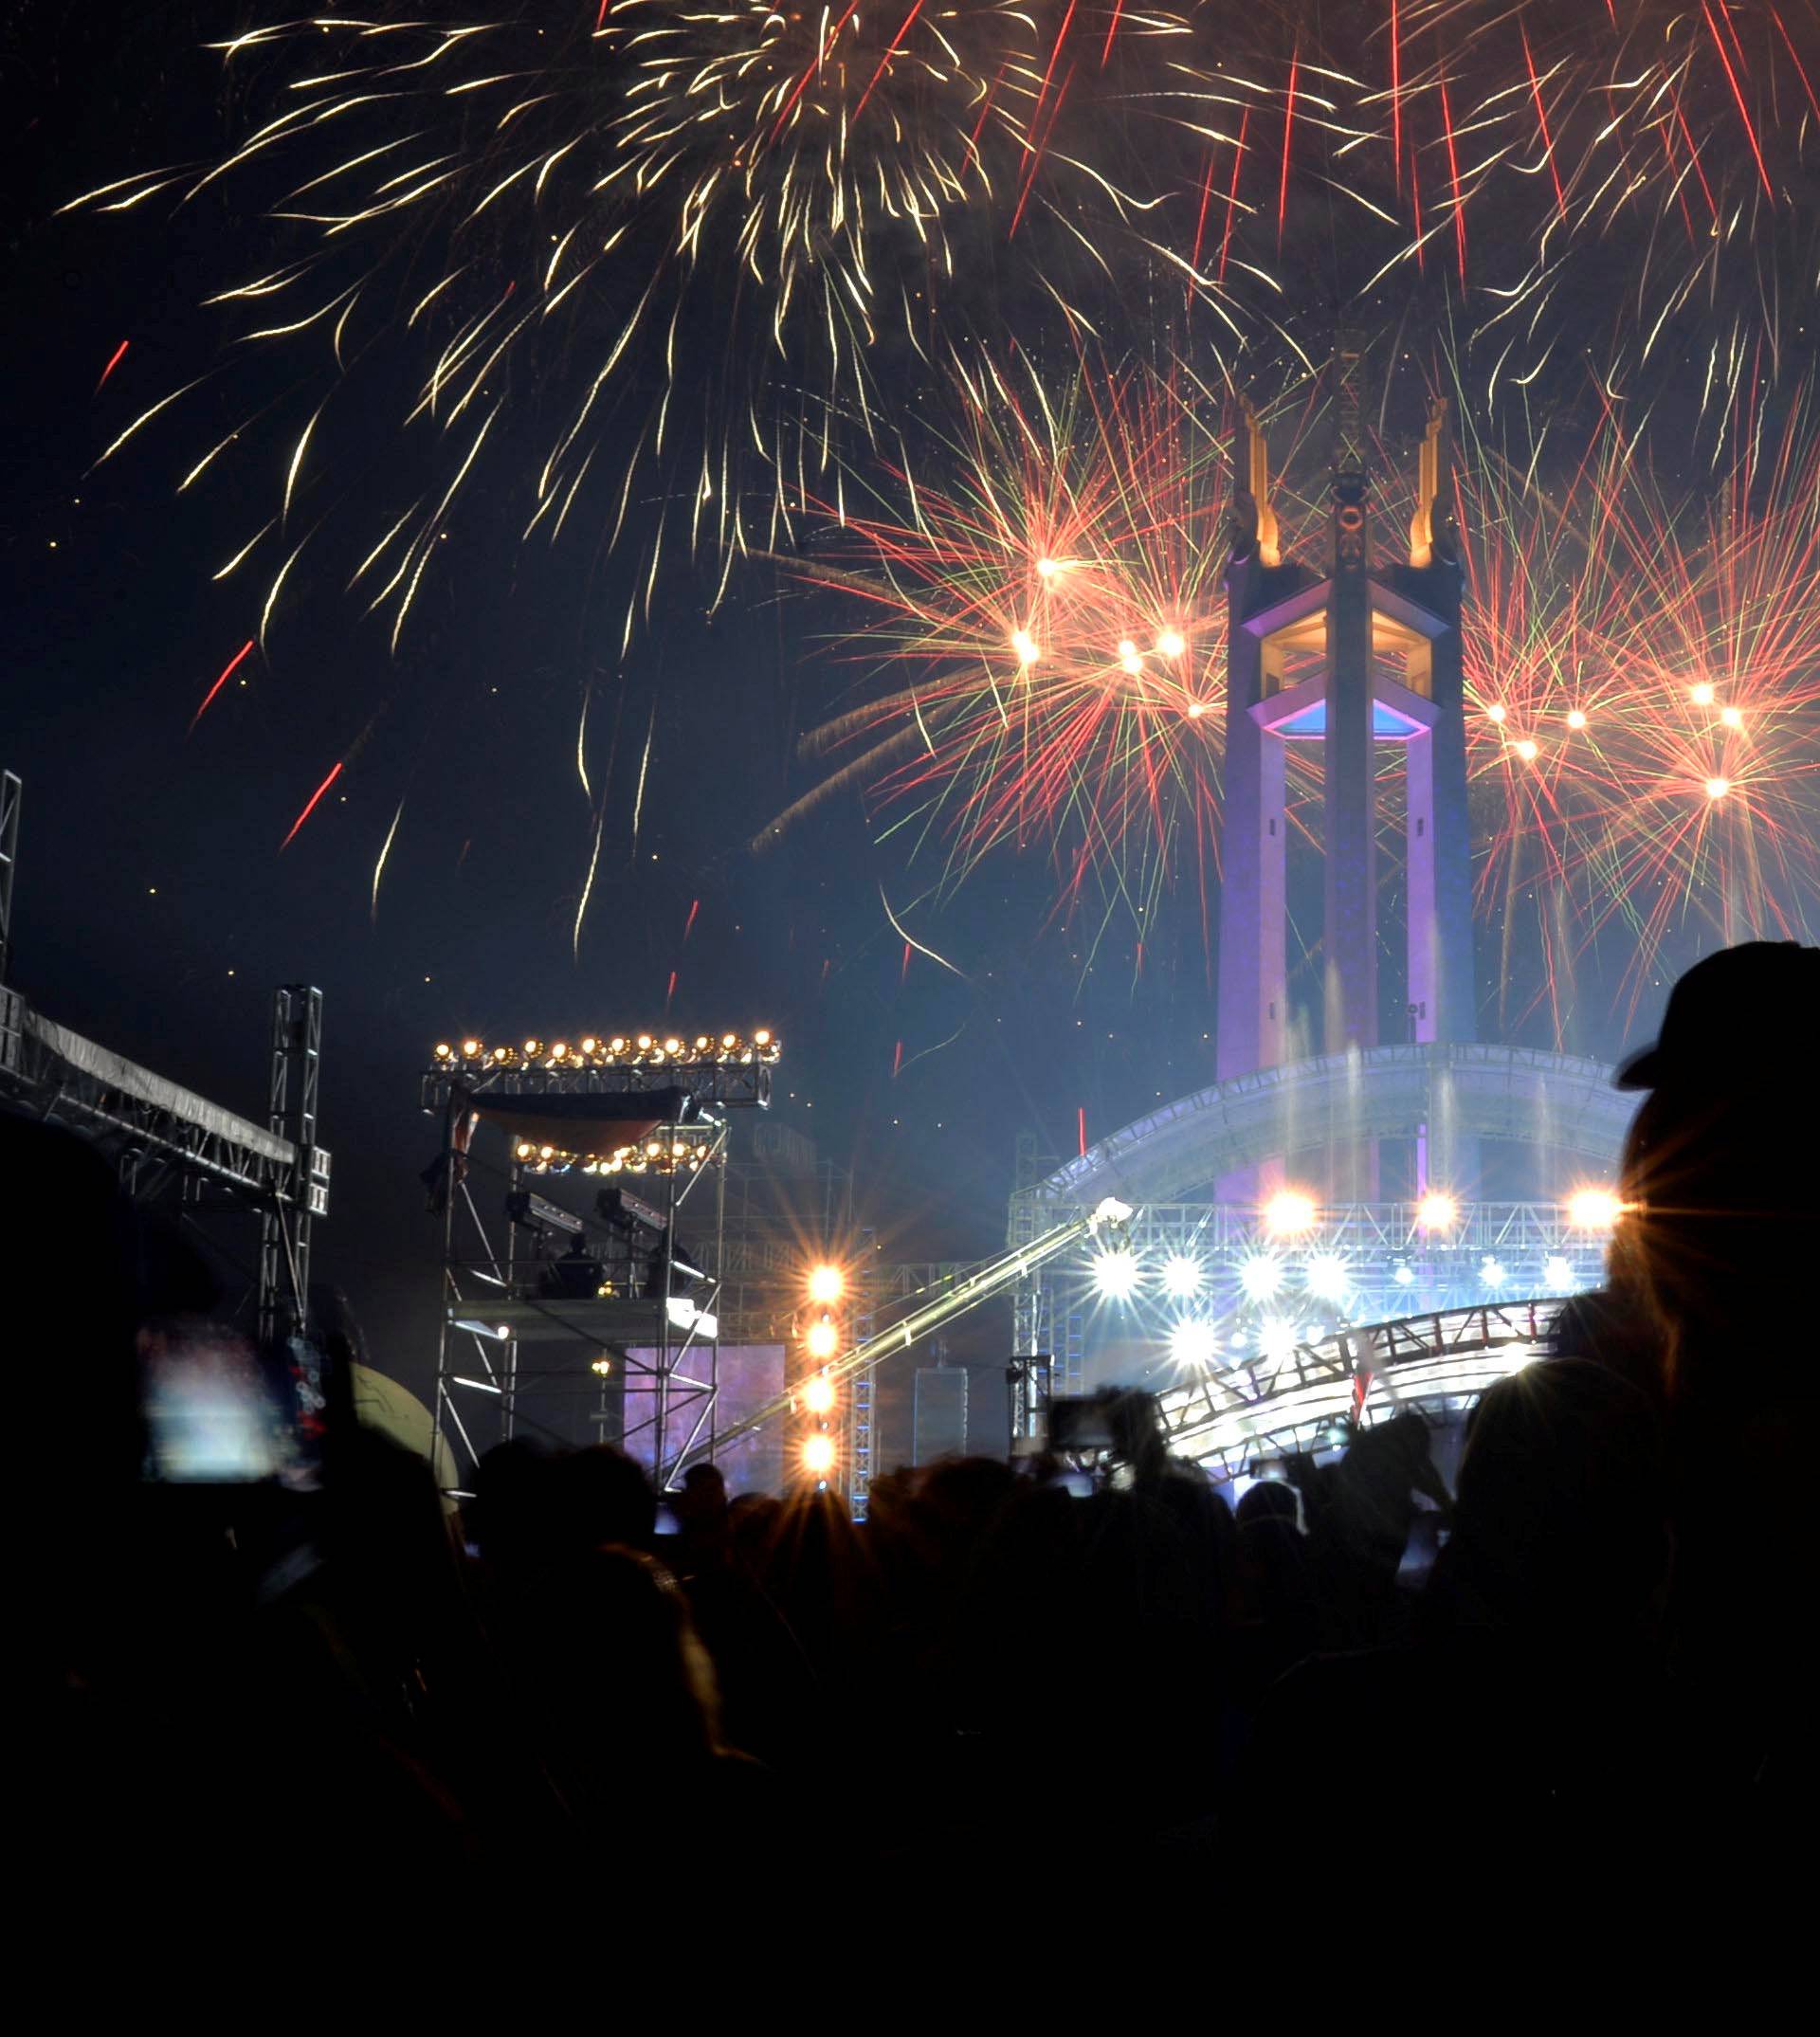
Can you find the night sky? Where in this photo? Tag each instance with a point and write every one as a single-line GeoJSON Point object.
{"type": "Point", "coordinates": [156, 908]}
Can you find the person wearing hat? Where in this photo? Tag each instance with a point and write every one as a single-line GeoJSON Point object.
{"type": "Point", "coordinates": [1714, 1252]}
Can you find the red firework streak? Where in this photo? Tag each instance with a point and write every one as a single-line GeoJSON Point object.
{"type": "Point", "coordinates": [114, 360]}
{"type": "Point", "coordinates": [688, 925]}
{"type": "Point", "coordinates": [1288, 127]}
{"type": "Point", "coordinates": [314, 801]}
{"type": "Point", "coordinates": [232, 665]}
{"type": "Point", "coordinates": [1081, 1126]}
{"type": "Point", "coordinates": [897, 1061]}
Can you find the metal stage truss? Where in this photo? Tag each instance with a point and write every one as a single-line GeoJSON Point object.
{"type": "Point", "coordinates": [1301, 1399]}
{"type": "Point", "coordinates": [601, 1310]}
{"type": "Point", "coordinates": [165, 1141]}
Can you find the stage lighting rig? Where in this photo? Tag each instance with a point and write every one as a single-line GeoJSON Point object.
{"type": "Point", "coordinates": [712, 1067]}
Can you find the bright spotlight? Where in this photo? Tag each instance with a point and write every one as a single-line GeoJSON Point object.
{"type": "Point", "coordinates": [1260, 1276]}
{"type": "Point", "coordinates": [822, 1340]}
{"type": "Point", "coordinates": [826, 1284]}
{"type": "Point", "coordinates": [818, 1455]}
{"type": "Point", "coordinates": [1404, 1274]}
{"type": "Point", "coordinates": [1193, 1343]}
{"type": "Point", "coordinates": [1703, 694]}
{"type": "Point", "coordinates": [1170, 643]}
{"type": "Point", "coordinates": [1326, 1273]}
{"type": "Point", "coordinates": [1492, 1272]}
{"type": "Point", "coordinates": [1594, 1209]}
{"type": "Point", "coordinates": [1718, 787]}
{"type": "Point", "coordinates": [1559, 1275]}
{"type": "Point", "coordinates": [818, 1395]}
{"type": "Point", "coordinates": [1115, 1273]}
{"type": "Point", "coordinates": [1289, 1211]}
{"type": "Point", "coordinates": [1183, 1277]}
{"type": "Point", "coordinates": [1436, 1211]}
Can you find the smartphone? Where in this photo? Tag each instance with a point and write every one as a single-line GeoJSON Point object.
{"type": "Point", "coordinates": [220, 1411]}
{"type": "Point", "coordinates": [1077, 1426]}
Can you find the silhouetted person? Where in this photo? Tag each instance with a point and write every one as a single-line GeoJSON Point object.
{"type": "Point", "coordinates": [1720, 1180]}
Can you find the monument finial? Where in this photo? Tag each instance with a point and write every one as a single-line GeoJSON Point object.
{"type": "Point", "coordinates": [1258, 484]}
{"type": "Point", "coordinates": [1427, 486]}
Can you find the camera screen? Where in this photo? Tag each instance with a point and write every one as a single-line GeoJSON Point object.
{"type": "Point", "coordinates": [220, 1411]}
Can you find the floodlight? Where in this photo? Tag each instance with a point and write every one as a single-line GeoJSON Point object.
{"type": "Point", "coordinates": [824, 1338]}
{"type": "Point", "coordinates": [818, 1395]}
{"type": "Point", "coordinates": [1492, 1272]}
{"type": "Point", "coordinates": [1261, 1275]}
{"type": "Point", "coordinates": [818, 1455]}
{"type": "Point", "coordinates": [826, 1284]}
{"type": "Point", "coordinates": [1558, 1274]}
{"type": "Point", "coordinates": [1326, 1276]}
{"type": "Point", "coordinates": [1115, 1273]}
{"type": "Point", "coordinates": [1289, 1210]}
{"type": "Point", "coordinates": [1594, 1209]}
{"type": "Point", "coordinates": [1436, 1211]}
{"type": "Point", "coordinates": [1193, 1343]}
{"type": "Point", "coordinates": [1183, 1277]}
{"type": "Point", "coordinates": [1403, 1274]}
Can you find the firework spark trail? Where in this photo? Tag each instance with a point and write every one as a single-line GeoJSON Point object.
{"type": "Point", "coordinates": [1058, 621]}
{"type": "Point", "coordinates": [228, 672]}
{"type": "Point", "coordinates": [1643, 673]}
{"type": "Point", "coordinates": [310, 805]}
{"type": "Point", "coordinates": [385, 854]}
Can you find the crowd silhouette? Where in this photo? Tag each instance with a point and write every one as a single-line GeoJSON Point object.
{"type": "Point", "coordinates": [1595, 1680]}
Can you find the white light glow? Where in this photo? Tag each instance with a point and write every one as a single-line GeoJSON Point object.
{"type": "Point", "coordinates": [1170, 643]}
{"type": "Point", "coordinates": [1193, 1343]}
{"type": "Point", "coordinates": [1277, 1338]}
{"type": "Point", "coordinates": [1289, 1211]}
{"type": "Point", "coordinates": [1183, 1277]}
{"type": "Point", "coordinates": [1326, 1275]}
{"type": "Point", "coordinates": [1116, 1275]}
{"type": "Point", "coordinates": [1404, 1274]}
{"type": "Point", "coordinates": [1261, 1275]}
{"type": "Point", "coordinates": [1559, 1275]}
{"type": "Point", "coordinates": [1718, 787]}
{"type": "Point", "coordinates": [1023, 644]}
{"type": "Point", "coordinates": [1436, 1211]}
{"type": "Point", "coordinates": [1492, 1272]}
{"type": "Point", "coordinates": [1594, 1209]}
{"type": "Point", "coordinates": [1702, 695]}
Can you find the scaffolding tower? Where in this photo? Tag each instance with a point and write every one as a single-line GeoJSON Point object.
{"type": "Point", "coordinates": [555, 1318]}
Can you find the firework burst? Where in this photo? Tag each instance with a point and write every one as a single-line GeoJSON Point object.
{"type": "Point", "coordinates": [1046, 635]}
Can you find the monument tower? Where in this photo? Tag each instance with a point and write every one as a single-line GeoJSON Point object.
{"type": "Point", "coordinates": [1363, 654]}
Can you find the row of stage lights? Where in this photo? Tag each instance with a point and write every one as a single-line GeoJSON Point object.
{"type": "Point", "coordinates": [635, 1050]}
{"type": "Point", "coordinates": [1119, 1275]}
{"type": "Point", "coordinates": [1292, 1211]}
{"type": "Point", "coordinates": [667, 1155]}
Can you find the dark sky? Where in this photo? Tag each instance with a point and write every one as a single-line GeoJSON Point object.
{"type": "Point", "coordinates": [156, 908]}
